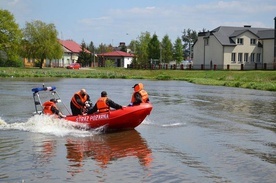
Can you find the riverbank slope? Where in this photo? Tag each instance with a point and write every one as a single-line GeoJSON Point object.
{"type": "Point", "coordinates": [260, 80]}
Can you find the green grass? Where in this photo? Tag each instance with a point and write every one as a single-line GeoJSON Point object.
{"type": "Point", "coordinates": [260, 80]}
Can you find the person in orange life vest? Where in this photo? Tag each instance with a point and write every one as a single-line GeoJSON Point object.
{"type": "Point", "coordinates": [103, 104]}
{"type": "Point", "coordinates": [139, 95]}
{"type": "Point", "coordinates": [50, 108]}
{"type": "Point", "coordinates": [79, 102]}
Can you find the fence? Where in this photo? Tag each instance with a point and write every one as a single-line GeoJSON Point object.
{"type": "Point", "coordinates": [254, 66]}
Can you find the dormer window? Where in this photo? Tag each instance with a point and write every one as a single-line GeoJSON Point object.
{"type": "Point", "coordinates": [240, 41]}
{"type": "Point", "coordinates": [252, 41]}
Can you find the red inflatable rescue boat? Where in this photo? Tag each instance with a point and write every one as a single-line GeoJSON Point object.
{"type": "Point", "coordinates": [126, 118]}
{"type": "Point", "coordinates": [122, 119]}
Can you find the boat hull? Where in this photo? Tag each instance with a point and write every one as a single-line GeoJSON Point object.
{"type": "Point", "coordinates": [122, 119]}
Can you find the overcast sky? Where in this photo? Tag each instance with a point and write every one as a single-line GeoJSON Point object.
{"type": "Point", "coordinates": [114, 21]}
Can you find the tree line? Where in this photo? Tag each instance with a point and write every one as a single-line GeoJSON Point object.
{"type": "Point", "coordinates": [38, 40]}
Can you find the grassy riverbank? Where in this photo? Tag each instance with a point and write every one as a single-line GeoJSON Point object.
{"type": "Point", "coordinates": [260, 80]}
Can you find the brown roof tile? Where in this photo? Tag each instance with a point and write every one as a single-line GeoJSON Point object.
{"type": "Point", "coordinates": [71, 45]}
{"type": "Point", "coordinates": [116, 54]}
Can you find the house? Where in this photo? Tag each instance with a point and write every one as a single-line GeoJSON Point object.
{"type": "Point", "coordinates": [28, 62]}
{"type": "Point", "coordinates": [118, 58]}
{"type": "Point", "coordinates": [234, 47]}
{"type": "Point", "coordinates": [71, 51]}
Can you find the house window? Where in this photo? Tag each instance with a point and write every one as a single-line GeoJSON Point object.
{"type": "Point", "coordinates": [258, 58]}
{"type": "Point", "coordinates": [239, 57]}
{"type": "Point", "coordinates": [252, 41]}
{"type": "Point", "coordinates": [240, 41]}
{"type": "Point", "coordinates": [233, 57]}
{"type": "Point", "coordinates": [245, 57]}
{"type": "Point", "coordinates": [252, 57]}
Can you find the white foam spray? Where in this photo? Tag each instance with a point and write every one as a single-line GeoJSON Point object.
{"type": "Point", "coordinates": [49, 125]}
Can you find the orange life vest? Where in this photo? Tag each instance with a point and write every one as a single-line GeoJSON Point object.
{"type": "Point", "coordinates": [140, 88]}
{"type": "Point", "coordinates": [101, 104]}
{"type": "Point", "coordinates": [144, 95]}
{"type": "Point", "coordinates": [83, 100]}
{"type": "Point", "coordinates": [47, 107]}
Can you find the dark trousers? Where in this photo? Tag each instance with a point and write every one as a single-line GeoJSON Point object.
{"type": "Point", "coordinates": [75, 111]}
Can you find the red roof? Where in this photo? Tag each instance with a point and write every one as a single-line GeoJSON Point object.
{"type": "Point", "coordinates": [116, 54]}
{"type": "Point", "coordinates": [72, 46]}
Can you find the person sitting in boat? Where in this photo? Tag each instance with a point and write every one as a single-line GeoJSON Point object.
{"type": "Point", "coordinates": [50, 108]}
{"type": "Point", "coordinates": [139, 95]}
{"type": "Point", "coordinates": [80, 102]}
{"type": "Point", "coordinates": [103, 104]}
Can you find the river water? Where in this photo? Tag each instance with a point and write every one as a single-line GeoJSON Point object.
{"type": "Point", "coordinates": [194, 133]}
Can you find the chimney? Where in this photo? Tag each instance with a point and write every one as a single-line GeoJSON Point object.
{"type": "Point", "coordinates": [248, 26]}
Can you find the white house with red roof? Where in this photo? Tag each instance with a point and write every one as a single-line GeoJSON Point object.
{"type": "Point", "coordinates": [71, 51]}
{"type": "Point", "coordinates": [120, 58]}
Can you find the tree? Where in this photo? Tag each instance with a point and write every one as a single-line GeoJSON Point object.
{"type": "Point", "coordinates": [132, 46]}
{"type": "Point", "coordinates": [41, 42]}
{"type": "Point", "coordinates": [10, 39]}
{"type": "Point", "coordinates": [154, 48]}
{"type": "Point", "coordinates": [84, 56]}
{"type": "Point", "coordinates": [103, 48]}
{"type": "Point", "coordinates": [178, 50]}
{"type": "Point", "coordinates": [92, 50]}
{"type": "Point", "coordinates": [91, 47]}
{"type": "Point", "coordinates": [167, 49]}
{"type": "Point", "coordinates": [189, 37]}
{"type": "Point", "coordinates": [142, 48]}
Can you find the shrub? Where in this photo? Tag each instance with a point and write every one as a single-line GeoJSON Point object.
{"type": "Point", "coordinates": [163, 77]}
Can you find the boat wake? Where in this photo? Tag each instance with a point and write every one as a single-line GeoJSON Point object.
{"type": "Point", "coordinates": [149, 122]}
{"type": "Point", "coordinates": [49, 125]}
{"type": "Point", "coordinates": [173, 125]}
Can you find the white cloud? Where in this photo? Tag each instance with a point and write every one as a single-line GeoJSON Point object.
{"type": "Point", "coordinates": [234, 7]}
{"type": "Point", "coordinates": [13, 2]}
{"type": "Point", "coordinates": [112, 23]}
{"type": "Point", "coordinates": [93, 21]}
{"type": "Point", "coordinates": [150, 8]}
{"type": "Point", "coordinates": [173, 20]}
{"type": "Point", "coordinates": [18, 8]}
